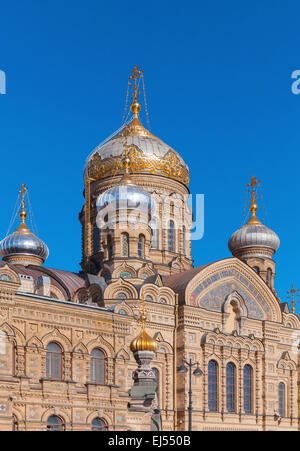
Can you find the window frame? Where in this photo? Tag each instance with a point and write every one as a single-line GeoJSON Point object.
{"type": "Point", "coordinates": [231, 388]}
{"type": "Point", "coordinates": [141, 246]}
{"type": "Point", "coordinates": [98, 361]}
{"type": "Point", "coordinates": [97, 428]}
{"type": "Point", "coordinates": [248, 389]}
{"type": "Point", "coordinates": [53, 427]}
{"type": "Point", "coordinates": [282, 399]}
{"type": "Point", "coordinates": [50, 362]}
{"type": "Point", "coordinates": [213, 386]}
{"type": "Point", "coordinates": [171, 236]}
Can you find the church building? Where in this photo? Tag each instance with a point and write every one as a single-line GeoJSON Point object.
{"type": "Point", "coordinates": [72, 348]}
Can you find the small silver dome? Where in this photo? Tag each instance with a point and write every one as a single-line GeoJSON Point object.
{"type": "Point", "coordinates": [23, 242]}
{"type": "Point", "coordinates": [251, 236]}
{"type": "Point", "coordinates": [126, 197]}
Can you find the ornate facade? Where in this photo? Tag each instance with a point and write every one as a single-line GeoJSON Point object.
{"type": "Point", "coordinates": [68, 340]}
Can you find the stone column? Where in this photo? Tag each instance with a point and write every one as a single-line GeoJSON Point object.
{"type": "Point", "coordinates": [20, 361]}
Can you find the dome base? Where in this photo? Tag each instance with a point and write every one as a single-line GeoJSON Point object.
{"type": "Point", "coordinates": [23, 260]}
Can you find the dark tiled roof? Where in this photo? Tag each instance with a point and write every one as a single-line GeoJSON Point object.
{"type": "Point", "coordinates": [65, 281]}
{"type": "Point", "coordinates": [178, 282]}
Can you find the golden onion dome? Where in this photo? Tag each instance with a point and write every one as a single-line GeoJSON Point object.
{"type": "Point", "coordinates": [148, 153]}
{"type": "Point", "coordinates": [143, 342]}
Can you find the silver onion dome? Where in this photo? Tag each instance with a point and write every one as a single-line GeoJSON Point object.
{"type": "Point", "coordinates": [254, 239]}
{"type": "Point", "coordinates": [254, 236]}
{"type": "Point", "coordinates": [25, 244]}
{"type": "Point", "coordinates": [126, 197]}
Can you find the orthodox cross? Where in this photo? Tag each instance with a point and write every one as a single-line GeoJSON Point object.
{"type": "Point", "coordinates": [253, 184]}
{"type": "Point", "coordinates": [294, 293]}
{"type": "Point", "coordinates": [135, 74]}
{"type": "Point", "coordinates": [22, 191]}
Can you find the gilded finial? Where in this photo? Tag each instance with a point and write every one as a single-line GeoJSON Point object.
{"type": "Point", "coordinates": [293, 292]}
{"type": "Point", "coordinates": [143, 342]}
{"type": "Point", "coordinates": [253, 198]}
{"type": "Point", "coordinates": [23, 213]}
{"type": "Point", "coordinates": [126, 161]}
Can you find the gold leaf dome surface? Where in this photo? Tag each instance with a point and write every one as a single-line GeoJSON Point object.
{"type": "Point", "coordinates": [147, 152]}
{"type": "Point", "coordinates": [143, 342]}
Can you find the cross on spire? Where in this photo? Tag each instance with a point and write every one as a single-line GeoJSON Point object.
{"type": "Point", "coordinates": [253, 193]}
{"type": "Point", "coordinates": [253, 198]}
{"type": "Point", "coordinates": [22, 191]}
{"type": "Point", "coordinates": [135, 88]}
{"type": "Point", "coordinates": [293, 292]}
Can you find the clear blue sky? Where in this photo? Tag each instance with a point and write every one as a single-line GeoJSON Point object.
{"type": "Point", "coordinates": [218, 80]}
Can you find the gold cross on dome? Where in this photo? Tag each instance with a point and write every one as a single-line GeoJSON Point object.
{"type": "Point", "coordinates": [253, 184]}
{"type": "Point", "coordinates": [22, 192]}
{"type": "Point", "coordinates": [294, 293]}
{"type": "Point", "coordinates": [135, 73]}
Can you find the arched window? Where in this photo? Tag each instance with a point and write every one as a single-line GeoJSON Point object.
{"type": "Point", "coordinates": [109, 247]}
{"type": "Point", "coordinates": [99, 425]}
{"type": "Point", "coordinates": [125, 245]}
{"type": "Point", "coordinates": [256, 269]}
{"type": "Point", "coordinates": [54, 361]}
{"type": "Point", "coordinates": [230, 387]}
{"type": "Point", "coordinates": [171, 236]}
{"type": "Point", "coordinates": [269, 277]}
{"type": "Point", "coordinates": [248, 389]}
{"type": "Point", "coordinates": [55, 423]}
{"type": "Point", "coordinates": [141, 246]}
{"type": "Point", "coordinates": [155, 234]}
{"type": "Point", "coordinates": [97, 366]}
{"type": "Point", "coordinates": [212, 386]}
{"type": "Point", "coordinates": [281, 399]}
{"type": "Point", "coordinates": [96, 239]}
{"type": "Point", "coordinates": [183, 240]}
{"type": "Point", "coordinates": [156, 372]}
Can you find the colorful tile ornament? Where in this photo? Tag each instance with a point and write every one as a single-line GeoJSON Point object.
{"type": "Point", "coordinates": [213, 300]}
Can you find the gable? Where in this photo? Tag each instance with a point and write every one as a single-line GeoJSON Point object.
{"type": "Point", "coordinates": [210, 288]}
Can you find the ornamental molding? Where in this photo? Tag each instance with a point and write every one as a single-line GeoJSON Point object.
{"type": "Point", "coordinates": [80, 348]}
{"type": "Point", "coordinates": [103, 344]}
{"type": "Point", "coordinates": [57, 336]}
{"type": "Point", "coordinates": [35, 342]}
{"type": "Point", "coordinates": [220, 339]}
{"type": "Point", "coordinates": [115, 287]}
{"type": "Point", "coordinates": [169, 165]}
